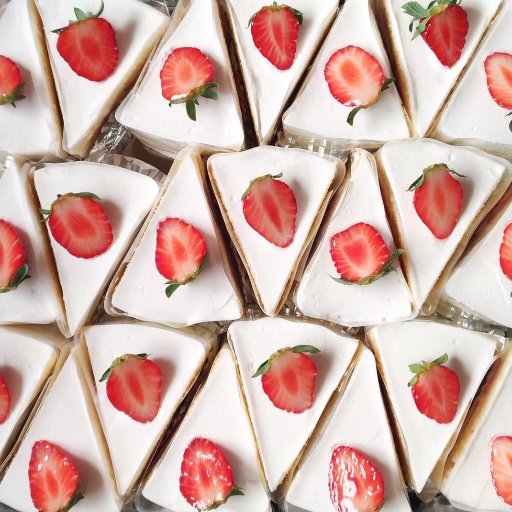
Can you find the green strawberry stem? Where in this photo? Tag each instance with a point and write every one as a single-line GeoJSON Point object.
{"type": "Point", "coordinates": [419, 369]}
{"type": "Point", "coordinates": [172, 285]}
{"type": "Point", "coordinates": [385, 86]}
{"type": "Point", "coordinates": [297, 349]}
{"type": "Point", "coordinates": [81, 16]}
{"type": "Point", "coordinates": [207, 90]}
{"type": "Point", "coordinates": [422, 15]}
{"type": "Point", "coordinates": [11, 99]}
{"type": "Point", "coordinates": [19, 276]}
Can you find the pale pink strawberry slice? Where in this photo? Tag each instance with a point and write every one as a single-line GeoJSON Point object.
{"type": "Point", "coordinates": [506, 252]}
{"type": "Point", "coordinates": [13, 259]}
{"type": "Point", "coordinates": [10, 82]}
{"type": "Point", "coordinates": [501, 467]}
{"type": "Point", "coordinates": [5, 400]}
{"type": "Point", "coordinates": [288, 378]}
{"type": "Point", "coordinates": [498, 68]}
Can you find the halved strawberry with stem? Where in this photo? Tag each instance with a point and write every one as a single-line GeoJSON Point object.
{"type": "Point", "coordinates": [506, 252]}
{"type": "Point", "coordinates": [5, 400]}
{"type": "Point", "coordinates": [187, 75]}
{"type": "Point", "coordinates": [361, 256]}
{"type": "Point", "coordinates": [443, 25]}
{"type": "Point", "coordinates": [13, 259]}
{"type": "Point", "coordinates": [355, 483]}
{"type": "Point", "coordinates": [53, 479]}
{"type": "Point", "coordinates": [80, 223]}
{"type": "Point", "coordinates": [501, 467]}
{"type": "Point", "coordinates": [134, 386]}
{"type": "Point", "coordinates": [498, 68]}
{"type": "Point", "coordinates": [181, 253]}
{"type": "Point", "coordinates": [206, 479]}
{"type": "Point", "coordinates": [288, 378]}
{"type": "Point", "coordinates": [11, 85]}
{"type": "Point", "coordinates": [270, 208]}
{"type": "Point", "coordinates": [438, 198]}
{"type": "Point", "coordinates": [89, 45]}
{"type": "Point", "coordinates": [275, 31]}
{"type": "Point", "coordinates": [355, 78]}
{"type": "Point", "coordinates": [435, 389]}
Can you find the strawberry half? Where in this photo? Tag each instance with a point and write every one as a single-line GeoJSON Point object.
{"type": "Point", "coordinates": [435, 389]}
{"type": "Point", "coordinates": [5, 400]}
{"type": "Point", "coordinates": [186, 75]}
{"type": "Point", "coordinates": [443, 25]}
{"type": "Point", "coordinates": [498, 68]}
{"type": "Point", "coordinates": [206, 479]}
{"type": "Point", "coordinates": [13, 259]}
{"type": "Point", "coordinates": [438, 198]}
{"type": "Point", "coordinates": [134, 386]}
{"type": "Point", "coordinates": [80, 224]}
{"type": "Point", "coordinates": [275, 31]}
{"type": "Point", "coordinates": [361, 256]}
{"type": "Point", "coordinates": [506, 252]}
{"type": "Point", "coordinates": [355, 483]}
{"type": "Point", "coordinates": [10, 82]}
{"type": "Point", "coordinates": [270, 208]}
{"type": "Point", "coordinates": [288, 378]}
{"type": "Point", "coordinates": [89, 45]}
{"type": "Point", "coordinates": [501, 467]}
{"type": "Point", "coordinates": [355, 79]}
{"type": "Point", "coordinates": [181, 253]}
{"type": "Point", "coordinates": [53, 479]}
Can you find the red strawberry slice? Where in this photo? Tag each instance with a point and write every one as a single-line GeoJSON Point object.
{"type": "Point", "coordinates": [435, 389]}
{"type": "Point", "coordinates": [270, 208]}
{"type": "Point", "coordinates": [443, 25]}
{"type": "Point", "coordinates": [501, 467]}
{"type": "Point", "coordinates": [438, 198]}
{"type": "Point", "coordinates": [355, 78]}
{"type": "Point", "coordinates": [498, 68]}
{"type": "Point", "coordinates": [134, 386]}
{"type": "Point", "coordinates": [5, 400]}
{"type": "Point", "coordinates": [89, 45]}
{"type": "Point", "coordinates": [206, 479]}
{"type": "Point", "coordinates": [181, 253]}
{"type": "Point", "coordinates": [10, 82]}
{"type": "Point", "coordinates": [80, 224]}
{"type": "Point", "coordinates": [506, 252]}
{"type": "Point", "coordinates": [288, 378]}
{"type": "Point", "coordinates": [186, 75]}
{"type": "Point", "coordinates": [361, 256]}
{"type": "Point", "coordinates": [53, 479]}
{"type": "Point", "coordinates": [13, 260]}
{"type": "Point", "coordinates": [355, 483]}
{"type": "Point", "coordinates": [275, 30]}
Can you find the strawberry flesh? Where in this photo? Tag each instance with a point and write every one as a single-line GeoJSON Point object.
{"type": "Point", "coordinates": [10, 82]}
{"type": "Point", "coordinates": [506, 252]}
{"type": "Point", "coordinates": [498, 68]}
{"type": "Point", "coordinates": [501, 467]}
{"type": "Point", "coordinates": [12, 258]}
{"type": "Point", "coordinates": [5, 400]}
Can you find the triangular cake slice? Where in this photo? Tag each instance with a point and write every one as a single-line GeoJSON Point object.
{"type": "Point", "coordinates": [424, 80]}
{"type": "Point", "coordinates": [213, 294]}
{"type": "Point", "coordinates": [168, 128]}
{"type": "Point", "coordinates": [67, 424]}
{"type": "Point", "coordinates": [86, 101]}
{"type": "Point", "coordinates": [356, 211]}
{"type": "Point", "coordinates": [349, 428]}
{"type": "Point", "coordinates": [179, 356]}
{"type": "Point", "coordinates": [272, 235]}
{"type": "Point", "coordinates": [472, 479]}
{"type": "Point", "coordinates": [431, 372]}
{"type": "Point", "coordinates": [470, 182]}
{"type": "Point", "coordinates": [32, 129]}
{"type": "Point", "coordinates": [283, 420]}
{"type": "Point", "coordinates": [316, 113]}
{"type": "Point", "coordinates": [26, 360]}
{"type": "Point", "coordinates": [268, 87]}
{"type": "Point", "coordinates": [88, 254]}
{"type": "Point", "coordinates": [218, 416]}
{"type": "Point", "coordinates": [35, 300]}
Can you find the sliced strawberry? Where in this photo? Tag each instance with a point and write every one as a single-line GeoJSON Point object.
{"type": "Point", "coordinates": [80, 224]}
{"type": "Point", "coordinates": [134, 386]}
{"type": "Point", "coordinates": [438, 198]}
{"type": "Point", "coordinates": [206, 479]}
{"type": "Point", "coordinates": [13, 260]}
{"type": "Point", "coordinates": [435, 389]}
{"type": "Point", "coordinates": [501, 467]}
{"type": "Point", "coordinates": [53, 479]}
{"type": "Point", "coordinates": [10, 82]}
{"type": "Point", "coordinates": [5, 400]}
{"type": "Point", "coordinates": [498, 68]}
{"type": "Point", "coordinates": [89, 45]}
{"type": "Point", "coordinates": [288, 378]}
{"type": "Point", "coordinates": [275, 30]}
{"type": "Point", "coordinates": [355, 483]}
{"type": "Point", "coordinates": [506, 252]}
{"type": "Point", "coordinates": [270, 208]}
{"type": "Point", "coordinates": [443, 25]}
{"type": "Point", "coordinates": [361, 256]}
{"type": "Point", "coordinates": [186, 75]}
{"type": "Point", "coordinates": [181, 253]}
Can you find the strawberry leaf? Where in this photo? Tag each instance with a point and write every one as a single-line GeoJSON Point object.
{"type": "Point", "coordinates": [387, 84]}
{"type": "Point", "coordinates": [191, 109]}
{"type": "Point", "coordinates": [118, 361]}
{"type": "Point", "coordinates": [440, 360]}
{"type": "Point", "coordinates": [171, 288]}
{"type": "Point", "coordinates": [352, 114]}
{"type": "Point", "coordinates": [297, 14]}
{"type": "Point", "coordinates": [80, 15]}
{"type": "Point", "coordinates": [510, 125]}
{"type": "Point", "coordinates": [87, 195]}
{"type": "Point", "coordinates": [79, 495]}
{"type": "Point", "coordinates": [263, 368]}
{"type": "Point", "coordinates": [19, 276]}
{"type": "Point", "coordinates": [415, 10]}
{"type": "Point", "coordinates": [301, 349]}
{"type": "Point", "coordinates": [260, 178]}
{"type": "Point", "coordinates": [416, 368]}
{"type": "Point", "coordinates": [419, 182]}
